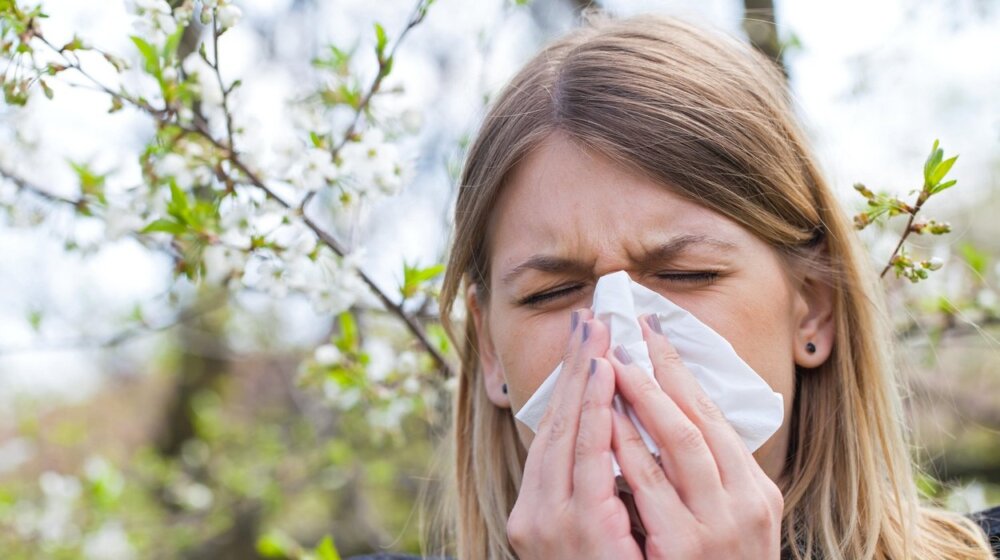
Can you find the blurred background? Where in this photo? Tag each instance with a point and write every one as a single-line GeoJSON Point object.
{"type": "Point", "coordinates": [222, 225]}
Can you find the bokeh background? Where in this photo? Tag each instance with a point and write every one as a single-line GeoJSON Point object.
{"type": "Point", "coordinates": [233, 413]}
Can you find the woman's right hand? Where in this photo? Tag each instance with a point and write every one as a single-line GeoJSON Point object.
{"type": "Point", "coordinates": [567, 506]}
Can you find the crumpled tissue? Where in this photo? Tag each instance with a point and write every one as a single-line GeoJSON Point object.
{"type": "Point", "coordinates": [746, 400]}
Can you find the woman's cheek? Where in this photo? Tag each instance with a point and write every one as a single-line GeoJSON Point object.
{"type": "Point", "coordinates": [533, 350]}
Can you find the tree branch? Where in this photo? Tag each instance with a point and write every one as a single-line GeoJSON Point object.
{"type": "Point", "coordinates": [163, 116]}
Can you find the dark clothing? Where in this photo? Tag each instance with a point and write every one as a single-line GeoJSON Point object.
{"type": "Point", "coordinates": [989, 520]}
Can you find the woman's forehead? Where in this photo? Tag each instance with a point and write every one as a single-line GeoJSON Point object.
{"type": "Point", "coordinates": [563, 200]}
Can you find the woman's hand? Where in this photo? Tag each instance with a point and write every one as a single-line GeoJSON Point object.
{"type": "Point", "coordinates": [567, 507]}
{"type": "Point", "coordinates": [710, 498]}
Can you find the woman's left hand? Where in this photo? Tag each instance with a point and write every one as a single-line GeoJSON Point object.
{"type": "Point", "coordinates": [710, 498]}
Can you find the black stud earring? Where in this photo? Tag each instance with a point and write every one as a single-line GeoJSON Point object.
{"type": "Point", "coordinates": [810, 347]}
{"type": "Point", "coordinates": [504, 388]}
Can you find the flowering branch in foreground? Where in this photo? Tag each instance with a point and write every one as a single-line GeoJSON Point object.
{"type": "Point", "coordinates": [194, 219]}
{"type": "Point", "coordinates": [884, 206]}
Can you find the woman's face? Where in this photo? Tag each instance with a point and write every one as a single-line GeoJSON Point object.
{"type": "Point", "coordinates": [587, 218]}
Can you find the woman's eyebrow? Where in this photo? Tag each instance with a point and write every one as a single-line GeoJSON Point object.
{"type": "Point", "coordinates": [659, 253]}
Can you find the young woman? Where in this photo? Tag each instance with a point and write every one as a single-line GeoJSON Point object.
{"type": "Point", "coordinates": [671, 152]}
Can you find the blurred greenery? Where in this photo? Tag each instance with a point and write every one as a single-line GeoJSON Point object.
{"type": "Point", "coordinates": [218, 452]}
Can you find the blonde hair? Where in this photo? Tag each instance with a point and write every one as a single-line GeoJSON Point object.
{"type": "Point", "coordinates": [702, 112]}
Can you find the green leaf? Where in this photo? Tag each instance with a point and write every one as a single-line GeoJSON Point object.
{"type": "Point", "coordinates": [942, 186]}
{"type": "Point", "coordinates": [178, 206]}
{"type": "Point", "coordinates": [165, 226]}
{"type": "Point", "coordinates": [325, 549]}
{"type": "Point", "coordinates": [35, 317]}
{"type": "Point", "coordinates": [941, 170]}
{"type": "Point", "coordinates": [74, 45]}
{"type": "Point", "coordinates": [46, 89]}
{"type": "Point", "coordinates": [91, 182]}
{"type": "Point", "coordinates": [276, 545]}
{"type": "Point", "coordinates": [173, 42]}
{"type": "Point", "coordinates": [932, 160]}
{"type": "Point", "coordinates": [348, 340]}
{"type": "Point", "coordinates": [380, 41]}
{"type": "Point", "coordinates": [151, 59]}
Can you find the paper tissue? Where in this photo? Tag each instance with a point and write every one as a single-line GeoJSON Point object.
{"type": "Point", "coordinates": [747, 402]}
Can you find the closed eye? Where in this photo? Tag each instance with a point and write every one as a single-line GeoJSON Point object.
{"type": "Point", "coordinates": [706, 277]}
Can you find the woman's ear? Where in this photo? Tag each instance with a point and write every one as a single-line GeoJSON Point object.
{"type": "Point", "coordinates": [814, 325]}
{"type": "Point", "coordinates": [494, 378]}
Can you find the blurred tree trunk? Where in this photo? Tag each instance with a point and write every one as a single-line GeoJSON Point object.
{"type": "Point", "coordinates": [762, 30]}
{"type": "Point", "coordinates": [204, 361]}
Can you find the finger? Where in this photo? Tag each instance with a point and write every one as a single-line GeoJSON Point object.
{"type": "Point", "coordinates": [533, 465]}
{"type": "Point", "coordinates": [593, 477]}
{"type": "Point", "coordinates": [726, 446]}
{"type": "Point", "coordinates": [656, 499]}
{"type": "Point", "coordinates": [564, 413]}
{"type": "Point", "coordinates": [685, 455]}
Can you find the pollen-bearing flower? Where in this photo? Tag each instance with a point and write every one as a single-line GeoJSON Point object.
{"type": "Point", "coordinates": [229, 15]}
{"type": "Point", "coordinates": [372, 164]}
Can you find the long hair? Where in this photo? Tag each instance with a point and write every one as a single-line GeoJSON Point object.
{"type": "Point", "coordinates": [702, 112]}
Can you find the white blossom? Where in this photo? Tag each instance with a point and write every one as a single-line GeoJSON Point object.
{"type": "Point", "coordinates": [14, 453]}
{"type": "Point", "coordinates": [55, 521]}
{"type": "Point", "coordinates": [313, 170]}
{"type": "Point", "coordinates": [222, 263]}
{"type": "Point", "coordinates": [411, 384]}
{"type": "Point", "coordinates": [195, 496]}
{"type": "Point", "coordinates": [327, 355]}
{"type": "Point", "coordinates": [229, 15]}
{"type": "Point", "coordinates": [339, 397]}
{"type": "Point", "coordinates": [110, 542]}
{"type": "Point", "coordinates": [121, 221]}
{"type": "Point", "coordinates": [176, 166]}
{"type": "Point", "coordinates": [373, 165]}
{"type": "Point", "coordinates": [169, 74]}
{"type": "Point", "coordinates": [408, 362]}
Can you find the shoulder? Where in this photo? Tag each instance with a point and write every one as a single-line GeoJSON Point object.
{"type": "Point", "coordinates": [989, 520]}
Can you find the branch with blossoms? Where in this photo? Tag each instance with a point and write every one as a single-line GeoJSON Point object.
{"type": "Point", "coordinates": [883, 206]}
{"type": "Point", "coordinates": [193, 213]}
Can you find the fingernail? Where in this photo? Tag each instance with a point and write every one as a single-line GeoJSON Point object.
{"type": "Point", "coordinates": [593, 366]}
{"type": "Point", "coordinates": [586, 331]}
{"type": "Point", "coordinates": [573, 320]}
{"type": "Point", "coordinates": [654, 323]}
{"type": "Point", "coordinates": [622, 354]}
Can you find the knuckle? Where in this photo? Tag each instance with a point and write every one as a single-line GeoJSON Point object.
{"type": "Point", "coordinates": [590, 406]}
{"type": "Point", "coordinates": [686, 437]}
{"type": "Point", "coordinates": [707, 408]}
{"type": "Point", "coordinates": [648, 387]}
{"type": "Point", "coordinates": [775, 499]}
{"type": "Point", "coordinates": [652, 472]}
{"type": "Point", "coordinates": [558, 428]}
{"type": "Point", "coordinates": [519, 529]}
{"type": "Point", "coordinates": [633, 439]}
{"type": "Point", "coordinates": [669, 357]}
{"type": "Point", "coordinates": [760, 517]}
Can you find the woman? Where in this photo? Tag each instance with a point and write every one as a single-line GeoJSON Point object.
{"type": "Point", "coordinates": [655, 147]}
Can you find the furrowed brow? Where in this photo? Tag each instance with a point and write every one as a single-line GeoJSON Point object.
{"type": "Point", "coordinates": [677, 245]}
{"type": "Point", "coordinates": [545, 263]}
{"type": "Point", "coordinates": [665, 251]}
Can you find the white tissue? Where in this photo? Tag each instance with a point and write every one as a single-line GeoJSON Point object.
{"type": "Point", "coordinates": [746, 400]}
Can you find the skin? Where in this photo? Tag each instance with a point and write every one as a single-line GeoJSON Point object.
{"type": "Point", "coordinates": [597, 218]}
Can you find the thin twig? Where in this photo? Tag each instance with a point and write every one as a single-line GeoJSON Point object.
{"type": "Point", "coordinates": [225, 91]}
{"type": "Point", "coordinates": [418, 15]}
{"type": "Point", "coordinates": [24, 185]}
{"type": "Point", "coordinates": [229, 151]}
{"type": "Point", "coordinates": [921, 199]}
